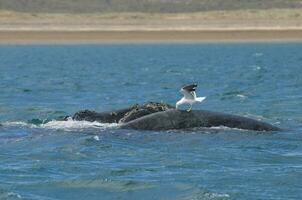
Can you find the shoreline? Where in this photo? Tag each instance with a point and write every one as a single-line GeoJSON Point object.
{"type": "Point", "coordinates": [149, 36]}
{"type": "Point", "coordinates": [279, 25]}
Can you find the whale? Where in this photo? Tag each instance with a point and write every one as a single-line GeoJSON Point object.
{"type": "Point", "coordinates": [180, 119]}
{"type": "Point", "coordinates": [160, 116]}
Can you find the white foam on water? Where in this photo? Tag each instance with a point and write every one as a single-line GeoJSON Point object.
{"type": "Point", "coordinates": [71, 125]}
{"type": "Point", "coordinates": [241, 96]}
{"type": "Point", "coordinates": [96, 138]}
{"type": "Point", "coordinates": [18, 124]}
{"type": "Point", "coordinates": [258, 54]}
{"type": "Point", "coordinates": [226, 128]}
{"type": "Point", "coordinates": [293, 154]}
{"type": "Point", "coordinates": [12, 194]}
{"type": "Point", "coordinates": [216, 195]}
{"type": "Point", "coordinates": [256, 67]}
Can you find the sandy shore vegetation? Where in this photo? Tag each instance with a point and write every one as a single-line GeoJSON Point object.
{"type": "Point", "coordinates": [240, 19]}
{"type": "Point", "coordinates": [239, 25]}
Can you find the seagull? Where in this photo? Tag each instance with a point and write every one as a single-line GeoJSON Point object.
{"type": "Point", "coordinates": [189, 96]}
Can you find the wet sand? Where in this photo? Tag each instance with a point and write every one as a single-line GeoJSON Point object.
{"type": "Point", "coordinates": [69, 36]}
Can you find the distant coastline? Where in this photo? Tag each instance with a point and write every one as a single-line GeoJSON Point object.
{"type": "Point", "coordinates": [239, 25]}
{"type": "Point", "coordinates": [25, 37]}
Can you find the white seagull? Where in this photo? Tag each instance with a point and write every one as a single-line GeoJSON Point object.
{"type": "Point", "coordinates": [189, 96]}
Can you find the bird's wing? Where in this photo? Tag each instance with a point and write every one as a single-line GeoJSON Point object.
{"type": "Point", "coordinates": [187, 94]}
{"type": "Point", "coordinates": [189, 91]}
{"type": "Point", "coordinates": [190, 88]}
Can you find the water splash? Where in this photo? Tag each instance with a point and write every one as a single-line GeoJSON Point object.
{"type": "Point", "coordinates": [68, 125]}
{"type": "Point", "coordinates": [76, 125]}
{"type": "Point", "coordinates": [18, 124]}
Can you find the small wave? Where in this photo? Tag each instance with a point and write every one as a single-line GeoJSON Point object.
{"type": "Point", "coordinates": [241, 96]}
{"type": "Point", "coordinates": [293, 154]}
{"type": "Point", "coordinates": [210, 129]}
{"type": "Point", "coordinates": [206, 195]}
{"type": "Point", "coordinates": [9, 195]}
{"type": "Point", "coordinates": [18, 124]}
{"type": "Point", "coordinates": [258, 54]}
{"type": "Point", "coordinates": [216, 196]}
{"type": "Point", "coordinates": [226, 128]}
{"type": "Point", "coordinates": [76, 125]}
{"type": "Point", "coordinates": [69, 125]}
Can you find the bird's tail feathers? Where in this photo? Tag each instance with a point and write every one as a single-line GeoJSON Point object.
{"type": "Point", "coordinates": [200, 99]}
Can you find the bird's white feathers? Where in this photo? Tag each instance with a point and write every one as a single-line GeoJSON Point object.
{"type": "Point", "coordinates": [200, 99]}
{"type": "Point", "coordinates": [189, 96]}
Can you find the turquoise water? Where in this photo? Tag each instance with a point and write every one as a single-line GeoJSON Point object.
{"type": "Point", "coordinates": [46, 159]}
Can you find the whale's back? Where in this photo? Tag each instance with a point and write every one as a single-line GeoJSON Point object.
{"type": "Point", "coordinates": [179, 119]}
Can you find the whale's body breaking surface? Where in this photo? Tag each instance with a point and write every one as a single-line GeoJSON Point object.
{"type": "Point", "coordinates": [158, 116]}
{"type": "Point", "coordinates": [179, 119]}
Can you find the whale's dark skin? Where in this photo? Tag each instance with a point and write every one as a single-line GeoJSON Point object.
{"type": "Point", "coordinates": [180, 119]}
{"type": "Point", "coordinates": [159, 116]}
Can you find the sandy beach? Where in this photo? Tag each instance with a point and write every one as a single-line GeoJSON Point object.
{"type": "Point", "coordinates": [215, 26]}
{"type": "Point", "coordinates": [149, 36]}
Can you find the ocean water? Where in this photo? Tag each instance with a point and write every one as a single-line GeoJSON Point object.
{"type": "Point", "coordinates": [43, 158]}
